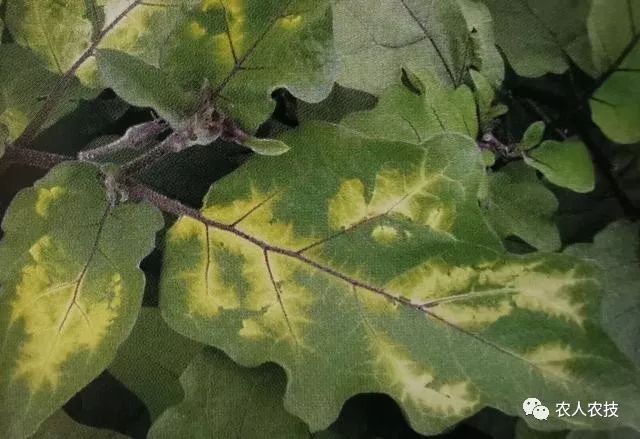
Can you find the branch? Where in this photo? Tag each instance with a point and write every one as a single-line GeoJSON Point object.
{"type": "Point", "coordinates": [62, 86]}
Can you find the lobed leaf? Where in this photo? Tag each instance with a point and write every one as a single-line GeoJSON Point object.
{"type": "Point", "coordinates": [567, 164]}
{"type": "Point", "coordinates": [234, 402]}
{"type": "Point", "coordinates": [246, 49]}
{"type": "Point", "coordinates": [378, 274]}
{"type": "Point", "coordinates": [71, 290]}
{"type": "Point", "coordinates": [542, 36]}
{"type": "Point", "coordinates": [374, 40]}
{"type": "Point", "coordinates": [151, 360]}
{"type": "Point", "coordinates": [519, 204]}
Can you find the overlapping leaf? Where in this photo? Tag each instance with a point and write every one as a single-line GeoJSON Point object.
{"type": "Point", "coordinates": [542, 36]}
{"type": "Point", "coordinates": [376, 39]}
{"type": "Point", "coordinates": [150, 361]}
{"type": "Point", "coordinates": [614, 30]}
{"type": "Point", "coordinates": [366, 266]}
{"type": "Point", "coordinates": [24, 84]}
{"type": "Point", "coordinates": [60, 425]}
{"type": "Point", "coordinates": [224, 400]}
{"type": "Point", "coordinates": [245, 49]}
{"type": "Point", "coordinates": [616, 250]}
{"type": "Point", "coordinates": [71, 290]}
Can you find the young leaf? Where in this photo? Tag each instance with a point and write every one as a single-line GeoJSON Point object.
{"type": "Point", "coordinates": [376, 39]}
{"type": "Point", "coordinates": [616, 251]}
{"type": "Point", "coordinates": [248, 48]}
{"type": "Point", "coordinates": [61, 425]}
{"type": "Point", "coordinates": [403, 115]}
{"type": "Point", "coordinates": [542, 36]}
{"type": "Point", "coordinates": [24, 83]}
{"type": "Point", "coordinates": [235, 402]}
{"type": "Point", "coordinates": [71, 290]}
{"type": "Point", "coordinates": [567, 164]}
{"type": "Point", "coordinates": [519, 204]}
{"type": "Point", "coordinates": [150, 361]}
{"type": "Point", "coordinates": [533, 136]}
{"type": "Point", "coordinates": [266, 146]}
{"type": "Point", "coordinates": [143, 85]}
{"type": "Point", "coordinates": [365, 266]}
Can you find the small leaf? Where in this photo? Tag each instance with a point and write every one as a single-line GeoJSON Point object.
{"type": "Point", "coordinates": [519, 204]}
{"type": "Point", "coordinates": [24, 84]}
{"type": "Point", "coordinates": [376, 39]}
{"type": "Point", "coordinates": [533, 136]}
{"type": "Point", "coordinates": [61, 425]}
{"type": "Point", "coordinates": [266, 146]}
{"type": "Point", "coordinates": [235, 403]}
{"type": "Point", "coordinates": [150, 361]}
{"type": "Point", "coordinates": [247, 48]}
{"type": "Point", "coordinates": [567, 164]}
{"type": "Point", "coordinates": [71, 290]}
{"type": "Point", "coordinates": [542, 36]}
{"type": "Point", "coordinates": [616, 251]}
{"type": "Point", "coordinates": [485, 95]}
{"type": "Point", "coordinates": [145, 86]}
{"type": "Point", "coordinates": [489, 158]}
{"type": "Point", "coordinates": [403, 115]}
{"type": "Point", "coordinates": [367, 266]}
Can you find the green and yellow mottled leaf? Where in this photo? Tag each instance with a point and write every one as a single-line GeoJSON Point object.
{"type": "Point", "coordinates": [519, 204]}
{"type": "Point", "coordinates": [407, 115]}
{"type": "Point", "coordinates": [70, 290]}
{"type": "Point", "coordinates": [151, 360]}
{"type": "Point", "coordinates": [378, 274]}
{"type": "Point", "coordinates": [61, 425]}
{"type": "Point", "coordinates": [224, 400]}
{"type": "Point", "coordinates": [24, 84]}
{"type": "Point", "coordinates": [375, 40]}
{"type": "Point", "coordinates": [567, 164]}
{"type": "Point", "coordinates": [542, 36]}
{"type": "Point", "coordinates": [245, 49]}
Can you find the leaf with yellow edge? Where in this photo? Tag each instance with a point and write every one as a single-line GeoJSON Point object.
{"type": "Point", "coordinates": [70, 290]}
{"type": "Point", "coordinates": [363, 266]}
{"type": "Point", "coordinates": [245, 49]}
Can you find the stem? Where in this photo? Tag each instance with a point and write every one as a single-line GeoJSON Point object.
{"type": "Point", "coordinates": [135, 138]}
{"type": "Point", "coordinates": [61, 87]}
{"type": "Point", "coordinates": [33, 158]}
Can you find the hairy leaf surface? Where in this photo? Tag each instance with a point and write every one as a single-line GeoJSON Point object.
{"type": "Point", "coordinates": [150, 361]}
{"type": "Point", "coordinates": [71, 290]}
{"type": "Point", "coordinates": [245, 49]}
{"type": "Point", "coordinates": [376, 39]}
{"type": "Point", "coordinates": [616, 250]}
{"type": "Point", "coordinates": [378, 274]}
{"type": "Point", "coordinates": [224, 400]}
{"type": "Point", "coordinates": [542, 36]}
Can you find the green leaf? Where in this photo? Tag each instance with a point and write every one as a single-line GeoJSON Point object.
{"type": "Point", "coordinates": [266, 146]}
{"type": "Point", "coordinates": [533, 136]}
{"type": "Point", "coordinates": [616, 251]}
{"type": "Point", "coordinates": [143, 85]}
{"type": "Point", "coordinates": [4, 139]}
{"type": "Point", "coordinates": [247, 48]}
{"type": "Point", "coordinates": [24, 84]}
{"type": "Point", "coordinates": [402, 114]}
{"type": "Point", "coordinates": [376, 39]}
{"type": "Point", "coordinates": [150, 361]}
{"type": "Point", "coordinates": [518, 204]}
{"type": "Point", "coordinates": [524, 432]}
{"type": "Point", "coordinates": [542, 36]}
{"type": "Point", "coordinates": [366, 266]}
{"type": "Point", "coordinates": [567, 164]}
{"type": "Point", "coordinates": [615, 40]}
{"type": "Point", "coordinates": [71, 290]}
{"type": "Point", "coordinates": [224, 400]}
{"type": "Point", "coordinates": [60, 425]}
